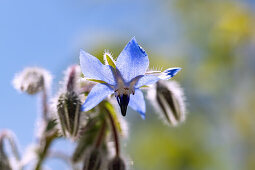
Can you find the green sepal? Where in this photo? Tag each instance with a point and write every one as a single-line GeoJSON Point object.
{"type": "Point", "coordinates": [111, 110]}
{"type": "Point", "coordinates": [98, 81]}
{"type": "Point", "coordinates": [109, 60]}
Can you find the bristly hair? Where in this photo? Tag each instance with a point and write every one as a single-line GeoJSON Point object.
{"type": "Point", "coordinates": [154, 70]}
{"type": "Point", "coordinates": [168, 99]}
{"type": "Point", "coordinates": [108, 59]}
{"type": "Point", "coordinates": [66, 105]}
{"type": "Point", "coordinates": [169, 73]}
{"type": "Point", "coordinates": [71, 78]}
{"type": "Point", "coordinates": [32, 80]}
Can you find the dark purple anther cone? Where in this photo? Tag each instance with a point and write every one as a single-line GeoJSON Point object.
{"type": "Point", "coordinates": [123, 102]}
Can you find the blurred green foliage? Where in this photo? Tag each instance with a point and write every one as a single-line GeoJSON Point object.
{"type": "Point", "coordinates": [218, 78]}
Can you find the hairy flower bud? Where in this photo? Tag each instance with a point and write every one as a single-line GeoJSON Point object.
{"type": "Point", "coordinates": [68, 103]}
{"type": "Point", "coordinates": [32, 80]}
{"type": "Point", "coordinates": [4, 161]}
{"type": "Point", "coordinates": [116, 164]}
{"type": "Point", "coordinates": [72, 78]}
{"type": "Point", "coordinates": [168, 99]}
{"type": "Point", "coordinates": [68, 109]}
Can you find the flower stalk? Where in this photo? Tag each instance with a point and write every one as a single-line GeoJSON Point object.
{"type": "Point", "coordinates": [115, 133]}
{"type": "Point", "coordinates": [101, 135]}
{"type": "Point", "coordinates": [6, 134]}
{"type": "Point", "coordinates": [44, 102]}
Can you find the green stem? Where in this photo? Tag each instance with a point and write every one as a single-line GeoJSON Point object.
{"type": "Point", "coordinates": [115, 133]}
{"type": "Point", "coordinates": [46, 143]}
{"type": "Point", "coordinates": [101, 135]}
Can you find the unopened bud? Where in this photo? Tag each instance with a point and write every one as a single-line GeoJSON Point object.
{"type": "Point", "coordinates": [116, 164]}
{"type": "Point", "coordinates": [168, 98]}
{"type": "Point", "coordinates": [68, 109]}
{"type": "Point", "coordinates": [4, 161]}
{"type": "Point", "coordinates": [93, 160]}
{"type": "Point", "coordinates": [32, 80]}
{"type": "Point", "coordinates": [72, 78]}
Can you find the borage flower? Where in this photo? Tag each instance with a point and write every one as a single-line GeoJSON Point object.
{"type": "Point", "coordinates": [123, 77]}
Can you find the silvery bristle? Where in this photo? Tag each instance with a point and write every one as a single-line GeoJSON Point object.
{"type": "Point", "coordinates": [168, 99]}
{"type": "Point", "coordinates": [32, 80]}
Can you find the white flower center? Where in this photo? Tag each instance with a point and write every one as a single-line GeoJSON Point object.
{"type": "Point", "coordinates": [123, 88]}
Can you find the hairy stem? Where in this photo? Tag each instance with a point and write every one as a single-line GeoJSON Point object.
{"type": "Point", "coordinates": [45, 143]}
{"type": "Point", "coordinates": [101, 135]}
{"type": "Point", "coordinates": [9, 135]}
{"type": "Point", "coordinates": [115, 133]}
{"type": "Point", "coordinates": [44, 101]}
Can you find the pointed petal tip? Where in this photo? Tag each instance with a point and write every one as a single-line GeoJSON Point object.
{"type": "Point", "coordinates": [133, 39]}
{"type": "Point", "coordinates": [81, 50]}
{"type": "Point", "coordinates": [133, 42]}
{"type": "Point", "coordinates": [82, 53]}
{"type": "Point", "coordinates": [177, 69]}
{"type": "Point", "coordinates": [169, 73]}
{"type": "Point", "coordinates": [142, 115]}
{"type": "Point", "coordinates": [83, 108]}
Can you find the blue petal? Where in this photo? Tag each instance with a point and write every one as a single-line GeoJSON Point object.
{"type": "Point", "coordinates": [92, 68]}
{"type": "Point", "coordinates": [146, 80]}
{"type": "Point", "coordinates": [132, 61]}
{"type": "Point", "coordinates": [96, 95]}
{"type": "Point", "coordinates": [151, 79]}
{"type": "Point", "coordinates": [169, 73]}
{"type": "Point", "coordinates": [137, 102]}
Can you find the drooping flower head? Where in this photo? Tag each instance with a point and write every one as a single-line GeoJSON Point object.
{"type": "Point", "coordinates": [122, 77]}
{"type": "Point", "coordinates": [32, 80]}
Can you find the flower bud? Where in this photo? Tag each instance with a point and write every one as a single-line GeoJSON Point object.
{"type": "Point", "coordinates": [69, 103]}
{"type": "Point", "coordinates": [4, 161]}
{"type": "Point", "coordinates": [32, 80]}
{"type": "Point", "coordinates": [93, 160]}
{"type": "Point", "coordinates": [168, 99]}
{"type": "Point", "coordinates": [71, 79]}
{"type": "Point", "coordinates": [116, 164]}
{"type": "Point", "coordinates": [68, 109]}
